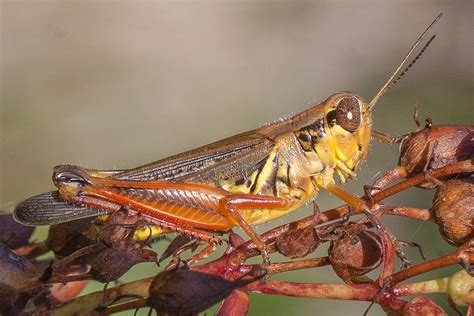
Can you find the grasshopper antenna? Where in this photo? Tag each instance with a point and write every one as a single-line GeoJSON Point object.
{"type": "Point", "coordinates": [397, 75]}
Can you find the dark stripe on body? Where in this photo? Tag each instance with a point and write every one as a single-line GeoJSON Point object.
{"type": "Point", "coordinates": [273, 179]}
{"type": "Point", "coordinates": [259, 171]}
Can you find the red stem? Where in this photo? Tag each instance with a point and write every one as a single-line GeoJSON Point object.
{"type": "Point", "coordinates": [358, 292]}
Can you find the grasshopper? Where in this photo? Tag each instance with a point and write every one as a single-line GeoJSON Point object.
{"type": "Point", "coordinates": [250, 178]}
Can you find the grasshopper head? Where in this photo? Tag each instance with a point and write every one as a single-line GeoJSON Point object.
{"type": "Point", "coordinates": [348, 125]}
{"type": "Point", "coordinates": [348, 121]}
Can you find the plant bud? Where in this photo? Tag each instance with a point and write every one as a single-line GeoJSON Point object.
{"type": "Point", "coordinates": [423, 306]}
{"type": "Point", "coordinates": [182, 291]}
{"type": "Point", "coordinates": [175, 245]}
{"type": "Point", "coordinates": [356, 254]}
{"type": "Point", "coordinates": [460, 288]}
{"type": "Point", "coordinates": [453, 207]}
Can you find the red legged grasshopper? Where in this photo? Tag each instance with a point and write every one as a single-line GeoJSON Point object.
{"type": "Point", "coordinates": [246, 179]}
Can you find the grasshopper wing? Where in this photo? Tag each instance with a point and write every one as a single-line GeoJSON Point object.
{"type": "Point", "coordinates": [49, 208]}
{"type": "Point", "coordinates": [229, 158]}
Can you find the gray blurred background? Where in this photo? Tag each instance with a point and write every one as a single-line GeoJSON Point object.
{"type": "Point", "coordinates": [111, 84]}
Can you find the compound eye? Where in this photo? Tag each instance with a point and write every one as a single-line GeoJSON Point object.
{"type": "Point", "coordinates": [348, 114]}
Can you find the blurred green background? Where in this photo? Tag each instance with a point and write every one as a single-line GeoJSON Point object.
{"type": "Point", "coordinates": [116, 84]}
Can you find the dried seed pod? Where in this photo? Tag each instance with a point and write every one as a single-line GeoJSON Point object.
{"type": "Point", "coordinates": [117, 227]}
{"type": "Point", "coordinates": [354, 255]}
{"type": "Point", "coordinates": [112, 263]}
{"type": "Point", "coordinates": [106, 263]}
{"type": "Point", "coordinates": [66, 238]}
{"type": "Point", "coordinates": [297, 243]}
{"type": "Point", "coordinates": [430, 148]}
{"type": "Point", "coordinates": [108, 248]}
{"type": "Point", "coordinates": [182, 291]}
{"type": "Point", "coordinates": [436, 146]}
{"type": "Point", "coordinates": [453, 207]}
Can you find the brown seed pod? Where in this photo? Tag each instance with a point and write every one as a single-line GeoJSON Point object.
{"type": "Point", "coordinates": [116, 228]}
{"type": "Point", "coordinates": [430, 148]}
{"type": "Point", "coordinates": [435, 147]}
{"type": "Point", "coordinates": [106, 263]}
{"type": "Point", "coordinates": [354, 255]}
{"type": "Point", "coordinates": [297, 243]}
{"type": "Point", "coordinates": [112, 263]}
{"type": "Point", "coordinates": [453, 207]}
